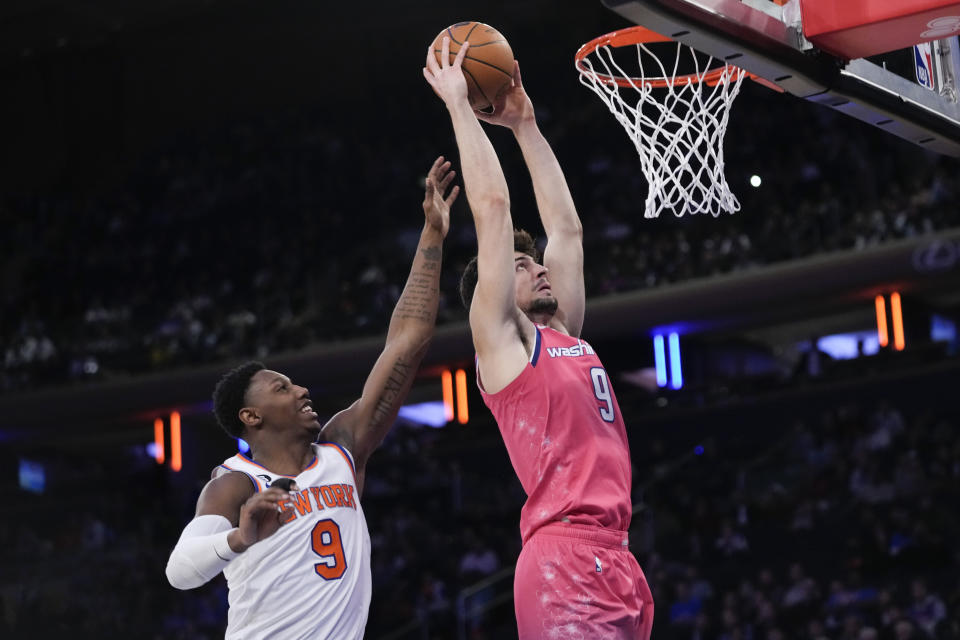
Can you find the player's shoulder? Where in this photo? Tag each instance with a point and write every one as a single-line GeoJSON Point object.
{"type": "Point", "coordinates": [341, 429]}
{"type": "Point", "coordinates": [224, 493]}
{"type": "Point", "coordinates": [223, 479]}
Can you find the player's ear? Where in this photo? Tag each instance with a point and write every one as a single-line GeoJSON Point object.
{"type": "Point", "coordinates": [250, 417]}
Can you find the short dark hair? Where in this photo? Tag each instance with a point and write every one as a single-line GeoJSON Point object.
{"type": "Point", "coordinates": [229, 396]}
{"type": "Point", "coordinates": [522, 242]}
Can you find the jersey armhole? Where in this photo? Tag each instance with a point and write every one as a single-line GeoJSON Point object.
{"type": "Point", "coordinates": [535, 354]}
{"type": "Point", "coordinates": [256, 483]}
{"type": "Point", "coordinates": [347, 456]}
{"type": "Point", "coordinates": [534, 357]}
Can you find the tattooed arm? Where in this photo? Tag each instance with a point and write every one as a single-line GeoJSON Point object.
{"type": "Point", "coordinates": [362, 426]}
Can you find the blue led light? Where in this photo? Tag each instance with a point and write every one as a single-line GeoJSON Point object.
{"type": "Point", "coordinates": [676, 375]}
{"type": "Point", "coordinates": [661, 361]}
{"type": "Point", "coordinates": [33, 477]}
{"type": "Point", "coordinates": [242, 445]}
{"type": "Point", "coordinates": [428, 414]}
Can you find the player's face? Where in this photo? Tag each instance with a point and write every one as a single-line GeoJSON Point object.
{"type": "Point", "coordinates": [279, 402]}
{"type": "Point", "coordinates": [533, 292]}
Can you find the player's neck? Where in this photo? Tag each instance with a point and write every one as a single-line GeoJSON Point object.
{"type": "Point", "coordinates": [287, 458]}
{"type": "Point", "coordinates": [547, 320]}
{"type": "Point", "coordinates": [540, 318]}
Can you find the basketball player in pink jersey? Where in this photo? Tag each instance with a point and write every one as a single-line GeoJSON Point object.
{"type": "Point", "coordinates": [550, 395]}
{"type": "Point", "coordinates": [284, 524]}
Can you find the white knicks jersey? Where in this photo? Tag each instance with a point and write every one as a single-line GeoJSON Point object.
{"type": "Point", "coordinates": [311, 579]}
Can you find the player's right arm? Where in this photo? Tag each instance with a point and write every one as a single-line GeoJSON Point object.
{"type": "Point", "coordinates": [494, 317]}
{"type": "Point", "coordinates": [230, 518]}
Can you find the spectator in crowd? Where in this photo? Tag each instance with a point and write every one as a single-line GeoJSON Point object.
{"type": "Point", "coordinates": [686, 606]}
{"type": "Point", "coordinates": [927, 610]}
{"type": "Point", "coordinates": [730, 541]}
{"type": "Point", "coordinates": [479, 560]}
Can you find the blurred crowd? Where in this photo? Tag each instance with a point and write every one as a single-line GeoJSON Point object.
{"type": "Point", "coordinates": [842, 530]}
{"type": "Point", "coordinates": [837, 524]}
{"type": "Point", "coordinates": [287, 230]}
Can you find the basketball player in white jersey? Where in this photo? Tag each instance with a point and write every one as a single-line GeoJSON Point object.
{"type": "Point", "coordinates": [284, 523]}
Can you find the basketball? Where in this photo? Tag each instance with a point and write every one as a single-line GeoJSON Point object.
{"type": "Point", "coordinates": [488, 65]}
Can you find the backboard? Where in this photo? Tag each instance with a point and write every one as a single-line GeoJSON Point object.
{"type": "Point", "coordinates": [915, 100]}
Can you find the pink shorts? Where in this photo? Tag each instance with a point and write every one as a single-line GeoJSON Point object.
{"type": "Point", "coordinates": [576, 582]}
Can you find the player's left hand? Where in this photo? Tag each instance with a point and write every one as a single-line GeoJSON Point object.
{"type": "Point", "coordinates": [512, 106]}
{"type": "Point", "coordinates": [436, 208]}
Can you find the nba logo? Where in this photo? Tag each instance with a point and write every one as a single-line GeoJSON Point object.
{"type": "Point", "coordinates": [923, 59]}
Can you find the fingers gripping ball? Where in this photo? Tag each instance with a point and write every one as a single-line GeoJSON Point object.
{"type": "Point", "coordinates": [488, 65]}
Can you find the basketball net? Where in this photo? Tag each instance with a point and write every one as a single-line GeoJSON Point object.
{"type": "Point", "coordinates": [677, 123]}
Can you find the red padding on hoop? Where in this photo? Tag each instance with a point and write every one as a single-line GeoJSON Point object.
{"type": "Point", "coordinates": [859, 28]}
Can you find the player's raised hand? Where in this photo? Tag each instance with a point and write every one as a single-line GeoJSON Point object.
{"type": "Point", "coordinates": [262, 514]}
{"type": "Point", "coordinates": [436, 207]}
{"type": "Point", "coordinates": [512, 106]}
{"type": "Point", "coordinates": [447, 77]}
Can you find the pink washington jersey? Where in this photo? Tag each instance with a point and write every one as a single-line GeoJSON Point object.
{"type": "Point", "coordinates": [565, 436]}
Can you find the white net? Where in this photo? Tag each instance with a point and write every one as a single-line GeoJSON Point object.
{"type": "Point", "coordinates": [676, 125]}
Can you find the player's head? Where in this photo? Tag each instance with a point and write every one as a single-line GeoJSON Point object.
{"type": "Point", "coordinates": [252, 397]}
{"type": "Point", "coordinates": [532, 289]}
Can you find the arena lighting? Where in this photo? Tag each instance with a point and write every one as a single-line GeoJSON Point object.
{"type": "Point", "coordinates": [463, 415]}
{"type": "Point", "coordinates": [158, 441]}
{"type": "Point", "coordinates": [895, 311]}
{"type": "Point", "coordinates": [676, 375]}
{"type": "Point", "coordinates": [428, 414]}
{"type": "Point", "coordinates": [32, 476]}
{"type": "Point", "coordinates": [942, 329]}
{"type": "Point", "coordinates": [176, 462]}
{"type": "Point", "coordinates": [881, 307]}
{"type": "Point", "coordinates": [846, 346]}
{"type": "Point", "coordinates": [660, 359]}
{"type": "Point", "coordinates": [446, 378]}
{"type": "Point", "coordinates": [242, 445]}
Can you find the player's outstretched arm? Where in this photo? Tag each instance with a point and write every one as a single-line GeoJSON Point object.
{"type": "Point", "coordinates": [493, 312]}
{"type": "Point", "coordinates": [230, 518]}
{"type": "Point", "coordinates": [563, 256]}
{"type": "Point", "coordinates": [362, 426]}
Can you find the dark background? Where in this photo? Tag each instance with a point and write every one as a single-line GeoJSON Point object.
{"type": "Point", "coordinates": [154, 153]}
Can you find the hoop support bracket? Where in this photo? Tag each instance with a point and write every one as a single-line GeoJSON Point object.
{"type": "Point", "coordinates": [762, 45]}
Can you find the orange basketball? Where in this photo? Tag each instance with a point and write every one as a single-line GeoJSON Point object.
{"type": "Point", "coordinates": [488, 65]}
